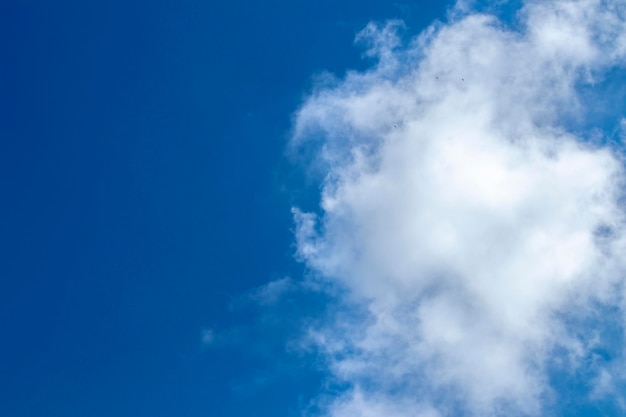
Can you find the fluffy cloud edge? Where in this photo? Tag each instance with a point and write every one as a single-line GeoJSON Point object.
{"type": "Point", "coordinates": [506, 171]}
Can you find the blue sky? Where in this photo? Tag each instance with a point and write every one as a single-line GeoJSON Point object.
{"type": "Point", "coordinates": [164, 248]}
{"type": "Point", "coordinates": [144, 187]}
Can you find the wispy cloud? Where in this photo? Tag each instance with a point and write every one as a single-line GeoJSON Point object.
{"type": "Point", "coordinates": [265, 295]}
{"type": "Point", "coordinates": [459, 208]}
{"type": "Point", "coordinates": [207, 337]}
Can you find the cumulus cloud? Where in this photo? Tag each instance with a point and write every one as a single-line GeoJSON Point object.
{"type": "Point", "coordinates": [479, 231]}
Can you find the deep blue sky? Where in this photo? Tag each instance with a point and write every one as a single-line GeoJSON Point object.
{"type": "Point", "coordinates": [144, 187]}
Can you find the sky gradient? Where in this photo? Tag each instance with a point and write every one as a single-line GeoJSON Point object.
{"type": "Point", "coordinates": [333, 209]}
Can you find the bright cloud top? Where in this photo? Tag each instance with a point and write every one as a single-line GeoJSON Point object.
{"type": "Point", "coordinates": [479, 232]}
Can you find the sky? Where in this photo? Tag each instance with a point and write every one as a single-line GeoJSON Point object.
{"type": "Point", "coordinates": [329, 209]}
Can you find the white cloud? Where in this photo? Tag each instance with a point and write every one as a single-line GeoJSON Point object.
{"type": "Point", "coordinates": [460, 210]}
{"type": "Point", "coordinates": [358, 404]}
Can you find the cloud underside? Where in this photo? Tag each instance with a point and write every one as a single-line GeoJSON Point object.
{"type": "Point", "coordinates": [482, 235]}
